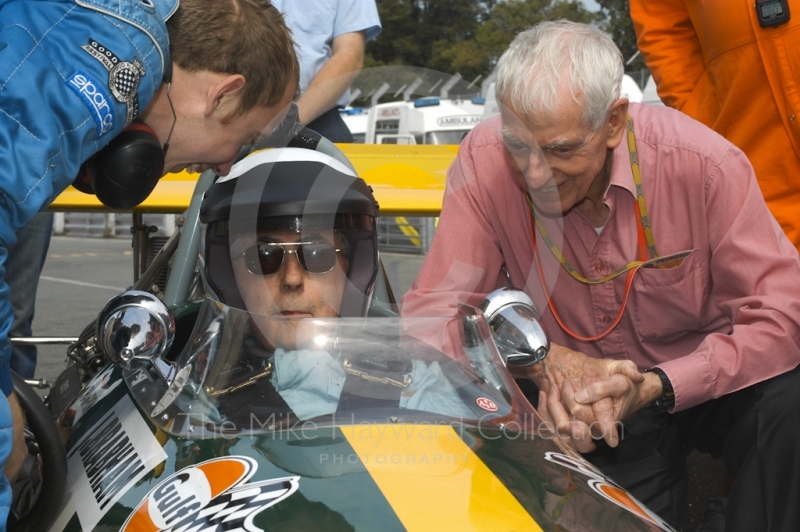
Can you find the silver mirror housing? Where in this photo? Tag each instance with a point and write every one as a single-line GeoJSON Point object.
{"type": "Point", "coordinates": [136, 327]}
{"type": "Point", "coordinates": [512, 318]}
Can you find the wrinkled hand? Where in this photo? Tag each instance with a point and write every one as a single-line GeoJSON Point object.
{"type": "Point", "coordinates": [573, 433]}
{"type": "Point", "coordinates": [607, 385]}
{"type": "Point", "coordinates": [627, 397]}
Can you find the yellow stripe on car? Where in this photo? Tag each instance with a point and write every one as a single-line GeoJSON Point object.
{"type": "Point", "coordinates": [434, 481]}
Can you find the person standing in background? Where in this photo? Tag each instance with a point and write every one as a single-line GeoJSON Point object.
{"type": "Point", "coordinates": [734, 66]}
{"type": "Point", "coordinates": [23, 268]}
{"type": "Point", "coordinates": [330, 36]}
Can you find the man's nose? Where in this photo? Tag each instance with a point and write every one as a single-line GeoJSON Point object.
{"type": "Point", "coordinates": [292, 273]}
{"type": "Point", "coordinates": [537, 172]}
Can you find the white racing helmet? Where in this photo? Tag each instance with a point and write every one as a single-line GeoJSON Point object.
{"type": "Point", "coordinates": [295, 190]}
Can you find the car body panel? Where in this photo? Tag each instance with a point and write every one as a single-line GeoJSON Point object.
{"type": "Point", "coordinates": [407, 181]}
{"type": "Point", "coordinates": [340, 477]}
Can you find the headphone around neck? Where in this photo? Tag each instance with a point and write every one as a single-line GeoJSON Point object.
{"type": "Point", "coordinates": [127, 169]}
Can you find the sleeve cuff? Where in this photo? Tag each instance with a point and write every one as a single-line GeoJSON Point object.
{"type": "Point", "coordinates": [691, 380]}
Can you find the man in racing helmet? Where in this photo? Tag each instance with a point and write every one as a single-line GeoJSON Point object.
{"type": "Point", "coordinates": [291, 233]}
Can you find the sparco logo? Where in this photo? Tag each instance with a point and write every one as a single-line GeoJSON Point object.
{"type": "Point", "coordinates": [95, 98]}
{"type": "Point", "coordinates": [212, 496]}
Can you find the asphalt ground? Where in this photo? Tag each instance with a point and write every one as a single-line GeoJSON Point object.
{"type": "Point", "coordinates": [81, 274]}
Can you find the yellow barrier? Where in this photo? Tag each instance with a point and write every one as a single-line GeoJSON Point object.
{"type": "Point", "coordinates": [406, 180]}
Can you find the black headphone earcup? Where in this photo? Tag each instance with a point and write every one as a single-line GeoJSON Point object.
{"type": "Point", "coordinates": [82, 182]}
{"type": "Point", "coordinates": [126, 171]}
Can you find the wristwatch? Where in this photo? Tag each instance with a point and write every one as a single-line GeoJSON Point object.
{"type": "Point", "coordinates": [666, 400]}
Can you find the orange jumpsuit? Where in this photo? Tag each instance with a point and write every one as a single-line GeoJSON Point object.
{"type": "Point", "coordinates": [712, 60]}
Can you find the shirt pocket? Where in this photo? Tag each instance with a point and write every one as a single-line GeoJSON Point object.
{"type": "Point", "coordinates": [667, 303]}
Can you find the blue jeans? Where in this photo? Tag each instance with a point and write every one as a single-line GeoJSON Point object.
{"type": "Point", "coordinates": [6, 439]}
{"type": "Point", "coordinates": [331, 126]}
{"type": "Point", "coordinates": [23, 267]}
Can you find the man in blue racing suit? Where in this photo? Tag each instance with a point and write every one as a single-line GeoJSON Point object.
{"type": "Point", "coordinates": [202, 78]}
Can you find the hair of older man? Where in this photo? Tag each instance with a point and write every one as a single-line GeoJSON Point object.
{"type": "Point", "coordinates": [247, 37]}
{"type": "Point", "coordinates": [551, 55]}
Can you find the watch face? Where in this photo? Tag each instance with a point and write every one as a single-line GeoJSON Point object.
{"type": "Point", "coordinates": [771, 9]}
{"type": "Point", "coordinates": [772, 13]}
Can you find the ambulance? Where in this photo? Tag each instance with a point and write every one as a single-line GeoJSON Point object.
{"type": "Point", "coordinates": [423, 121]}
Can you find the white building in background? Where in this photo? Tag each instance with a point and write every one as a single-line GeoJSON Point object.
{"type": "Point", "coordinates": [356, 120]}
{"type": "Point", "coordinates": [630, 89]}
{"type": "Point", "coordinates": [490, 107]}
{"type": "Point", "coordinates": [650, 94]}
{"type": "Point", "coordinates": [444, 121]}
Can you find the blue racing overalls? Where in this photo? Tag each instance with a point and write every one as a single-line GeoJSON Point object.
{"type": "Point", "coordinates": [73, 74]}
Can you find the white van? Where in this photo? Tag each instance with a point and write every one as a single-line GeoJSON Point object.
{"type": "Point", "coordinates": [423, 121]}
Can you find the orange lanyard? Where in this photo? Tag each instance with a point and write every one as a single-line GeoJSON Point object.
{"type": "Point", "coordinates": [646, 242]}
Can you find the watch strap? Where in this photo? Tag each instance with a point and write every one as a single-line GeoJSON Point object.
{"type": "Point", "coordinates": [666, 401]}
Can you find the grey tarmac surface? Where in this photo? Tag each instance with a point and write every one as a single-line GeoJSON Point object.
{"type": "Point", "coordinates": [81, 274]}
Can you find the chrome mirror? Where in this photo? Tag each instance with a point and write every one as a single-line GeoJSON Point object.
{"type": "Point", "coordinates": [512, 318]}
{"type": "Point", "coordinates": [136, 328]}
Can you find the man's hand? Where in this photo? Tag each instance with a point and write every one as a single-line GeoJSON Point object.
{"type": "Point", "coordinates": [564, 372]}
{"type": "Point", "coordinates": [627, 397]}
{"type": "Point", "coordinates": [575, 434]}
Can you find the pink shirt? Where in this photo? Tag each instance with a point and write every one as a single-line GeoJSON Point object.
{"type": "Point", "coordinates": [726, 318]}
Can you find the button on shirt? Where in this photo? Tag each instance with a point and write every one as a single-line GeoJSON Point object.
{"type": "Point", "coordinates": [725, 319]}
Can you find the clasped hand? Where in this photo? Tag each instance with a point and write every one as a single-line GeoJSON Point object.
{"type": "Point", "coordinates": [585, 398]}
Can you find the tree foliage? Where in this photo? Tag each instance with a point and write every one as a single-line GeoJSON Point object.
{"type": "Point", "coordinates": [444, 37]}
{"type": "Point", "coordinates": [616, 21]}
{"type": "Point", "coordinates": [464, 36]}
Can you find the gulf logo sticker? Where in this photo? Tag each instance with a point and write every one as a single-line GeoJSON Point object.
{"type": "Point", "coordinates": [608, 489]}
{"type": "Point", "coordinates": [210, 496]}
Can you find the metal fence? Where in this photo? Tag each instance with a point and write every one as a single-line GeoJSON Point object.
{"type": "Point", "coordinates": [399, 234]}
{"type": "Point", "coordinates": [406, 234]}
{"type": "Point", "coordinates": [108, 225]}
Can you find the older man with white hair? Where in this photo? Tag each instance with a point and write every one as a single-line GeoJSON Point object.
{"type": "Point", "coordinates": [669, 293]}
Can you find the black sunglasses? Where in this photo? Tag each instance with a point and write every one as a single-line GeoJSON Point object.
{"type": "Point", "coordinates": [314, 257]}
